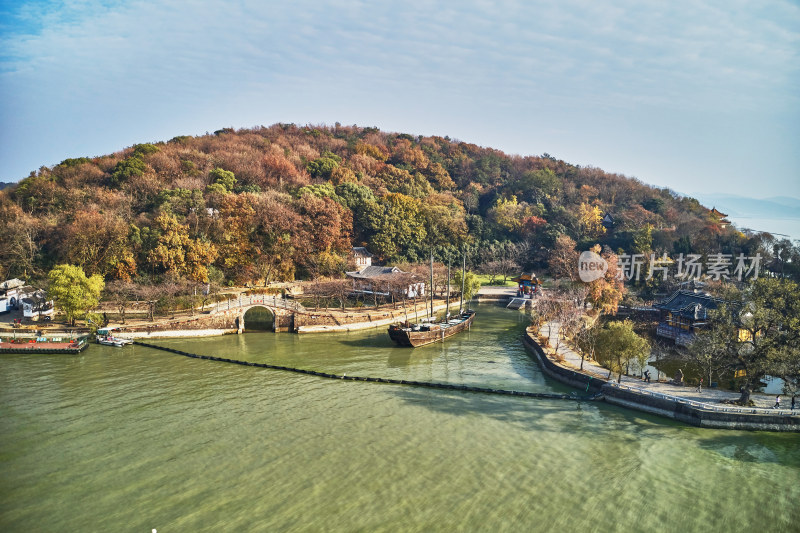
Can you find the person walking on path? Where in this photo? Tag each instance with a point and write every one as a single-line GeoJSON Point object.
{"type": "Point", "coordinates": [700, 386]}
{"type": "Point", "coordinates": [647, 376]}
{"type": "Point", "coordinates": [793, 402]}
{"type": "Point", "coordinates": [777, 402]}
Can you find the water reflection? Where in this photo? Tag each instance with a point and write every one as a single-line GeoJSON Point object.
{"type": "Point", "coordinates": [771, 448]}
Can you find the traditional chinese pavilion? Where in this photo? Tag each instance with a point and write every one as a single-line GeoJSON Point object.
{"type": "Point", "coordinates": [683, 313]}
{"type": "Point", "coordinates": [527, 283]}
{"type": "Point", "coordinates": [720, 217]}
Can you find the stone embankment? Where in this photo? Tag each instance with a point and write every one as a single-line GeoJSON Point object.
{"type": "Point", "coordinates": [369, 320]}
{"type": "Point", "coordinates": [228, 317]}
{"type": "Point", "coordinates": [683, 403]}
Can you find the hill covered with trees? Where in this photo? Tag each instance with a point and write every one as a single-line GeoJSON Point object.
{"type": "Point", "coordinates": [286, 202]}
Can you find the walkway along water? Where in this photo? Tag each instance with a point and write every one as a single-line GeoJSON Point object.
{"type": "Point", "coordinates": [427, 384]}
{"type": "Point", "coordinates": [674, 402]}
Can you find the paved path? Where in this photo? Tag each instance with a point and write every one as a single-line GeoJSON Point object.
{"type": "Point", "coordinates": [495, 291]}
{"type": "Point", "coordinates": [708, 396]}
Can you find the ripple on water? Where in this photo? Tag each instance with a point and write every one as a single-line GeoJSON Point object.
{"type": "Point", "coordinates": [137, 439]}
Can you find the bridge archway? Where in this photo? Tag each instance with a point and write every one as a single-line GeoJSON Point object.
{"type": "Point", "coordinates": [258, 318]}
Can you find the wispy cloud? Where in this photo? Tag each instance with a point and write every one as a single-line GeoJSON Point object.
{"type": "Point", "coordinates": [179, 64]}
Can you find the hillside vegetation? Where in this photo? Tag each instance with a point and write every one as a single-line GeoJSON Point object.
{"type": "Point", "coordinates": [287, 201]}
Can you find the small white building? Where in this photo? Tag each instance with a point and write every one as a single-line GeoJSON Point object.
{"type": "Point", "coordinates": [11, 292]}
{"type": "Point", "coordinates": [380, 279]}
{"type": "Point", "coordinates": [36, 306]}
{"type": "Point", "coordinates": [362, 257]}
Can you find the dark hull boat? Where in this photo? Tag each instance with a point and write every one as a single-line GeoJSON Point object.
{"type": "Point", "coordinates": [422, 334]}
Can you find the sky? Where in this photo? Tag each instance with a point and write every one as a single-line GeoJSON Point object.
{"type": "Point", "coordinates": [698, 96]}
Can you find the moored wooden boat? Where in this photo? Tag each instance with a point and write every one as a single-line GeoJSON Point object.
{"type": "Point", "coordinates": [414, 335]}
{"type": "Point", "coordinates": [44, 345]}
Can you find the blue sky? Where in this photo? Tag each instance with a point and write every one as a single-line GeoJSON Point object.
{"type": "Point", "coordinates": [701, 97]}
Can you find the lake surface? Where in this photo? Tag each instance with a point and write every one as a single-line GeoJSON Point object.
{"type": "Point", "coordinates": [133, 439]}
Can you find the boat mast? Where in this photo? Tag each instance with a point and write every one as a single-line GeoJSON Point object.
{"type": "Point", "coordinates": [431, 284]}
{"type": "Point", "coordinates": [463, 275]}
{"type": "Point", "coordinates": [448, 290]}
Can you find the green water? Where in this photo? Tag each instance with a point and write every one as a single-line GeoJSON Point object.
{"type": "Point", "coordinates": [133, 439]}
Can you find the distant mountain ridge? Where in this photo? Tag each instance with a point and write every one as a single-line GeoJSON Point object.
{"type": "Point", "coordinates": [743, 207]}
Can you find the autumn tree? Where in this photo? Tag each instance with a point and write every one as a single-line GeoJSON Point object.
{"type": "Point", "coordinates": [617, 345]}
{"type": "Point", "coordinates": [98, 243]}
{"type": "Point", "coordinates": [323, 235]}
{"type": "Point", "coordinates": [590, 220]}
{"type": "Point", "coordinates": [395, 225]}
{"type": "Point", "coordinates": [443, 217]}
{"type": "Point", "coordinates": [149, 293]}
{"type": "Point", "coordinates": [278, 170]}
{"type": "Point", "coordinates": [177, 253]}
{"type": "Point", "coordinates": [471, 284]}
{"type": "Point", "coordinates": [585, 338]}
{"type": "Point", "coordinates": [510, 214]}
{"type": "Point", "coordinates": [398, 287]}
{"type": "Point", "coordinates": [273, 237]}
{"type": "Point", "coordinates": [394, 190]}
{"type": "Point", "coordinates": [19, 240]}
{"type": "Point", "coordinates": [563, 259]}
{"type": "Point", "coordinates": [606, 293]}
{"type": "Point", "coordinates": [233, 229]}
{"type": "Point", "coordinates": [439, 177]}
{"type": "Point", "coordinates": [756, 331]}
{"type": "Point", "coordinates": [404, 182]}
{"type": "Point", "coordinates": [72, 291]}
{"type": "Point", "coordinates": [550, 309]}
{"type": "Point", "coordinates": [121, 293]}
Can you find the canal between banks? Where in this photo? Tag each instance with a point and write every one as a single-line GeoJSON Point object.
{"type": "Point", "coordinates": [134, 439]}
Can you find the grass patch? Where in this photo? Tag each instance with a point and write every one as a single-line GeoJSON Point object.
{"type": "Point", "coordinates": [494, 280]}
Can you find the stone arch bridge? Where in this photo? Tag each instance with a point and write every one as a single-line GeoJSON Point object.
{"type": "Point", "coordinates": [229, 316]}
{"type": "Point", "coordinates": [282, 310]}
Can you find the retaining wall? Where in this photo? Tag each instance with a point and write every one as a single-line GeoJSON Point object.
{"type": "Point", "coordinates": [667, 407]}
{"type": "Point", "coordinates": [373, 320]}
{"type": "Point", "coordinates": [560, 373]}
{"type": "Point", "coordinates": [172, 333]}
{"type": "Point", "coordinates": [225, 322]}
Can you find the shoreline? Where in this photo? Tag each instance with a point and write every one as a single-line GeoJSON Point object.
{"type": "Point", "coordinates": [700, 413]}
